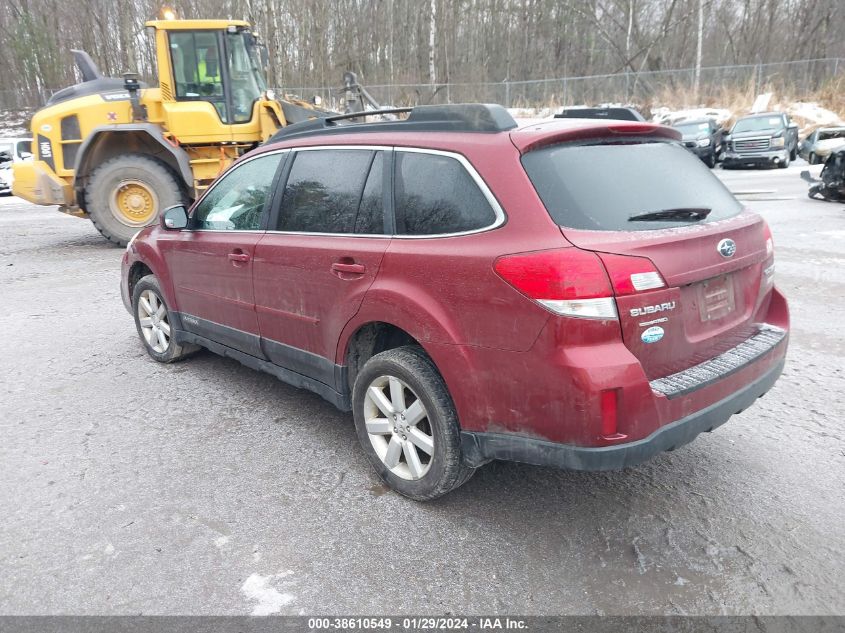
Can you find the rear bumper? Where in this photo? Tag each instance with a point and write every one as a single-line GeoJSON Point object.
{"type": "Point", "coordinates": [479, 448]}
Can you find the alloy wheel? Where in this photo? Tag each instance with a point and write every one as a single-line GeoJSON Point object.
{"type": "Point", "coordinates": [155, 325]}
{"type": "Point", "coordinates": [398, 427]}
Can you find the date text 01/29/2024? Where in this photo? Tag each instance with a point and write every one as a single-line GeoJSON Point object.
{"type": "Point", "coordinates": [417, 623]}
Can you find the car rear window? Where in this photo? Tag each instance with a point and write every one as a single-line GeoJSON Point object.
{"type": "Point", "coordinates": [599, 187]}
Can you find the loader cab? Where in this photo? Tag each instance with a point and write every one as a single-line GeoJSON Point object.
{"type": "Point", "coordinates": [214, 62]}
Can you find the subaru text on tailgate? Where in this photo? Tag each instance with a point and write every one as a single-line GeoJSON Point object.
{"type": "Point", "coordinates": [580, 294]}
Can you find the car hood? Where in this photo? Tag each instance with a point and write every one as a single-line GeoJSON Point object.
{"type": "Point", "coordinates": [756, 133]}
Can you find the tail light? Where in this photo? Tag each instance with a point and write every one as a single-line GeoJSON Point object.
{"type": "Point", "coordinates": [769, 264]}
{"type": "Point", "coordinates": [567, 281]}
{"type": "Point", "coordinates": [770, 245]}
{"type": "Point", "coordinates": [630, 275]}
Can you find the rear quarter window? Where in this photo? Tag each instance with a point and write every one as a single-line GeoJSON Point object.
{"type": "Point", "coordinates": [435, 195]}
{"type": "Point", "coordinates": [599, 187]}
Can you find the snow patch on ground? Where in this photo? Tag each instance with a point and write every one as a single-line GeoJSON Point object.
{"type": "Point", "coordinates": [14, 122]}
{"type": "Point", "coordinates": [812, 115]}
{"type": "Point", "coordinates": [268, 599]}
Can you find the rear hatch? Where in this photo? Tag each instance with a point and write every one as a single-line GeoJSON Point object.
{"type": "Point", "coordinates": [684, 258]}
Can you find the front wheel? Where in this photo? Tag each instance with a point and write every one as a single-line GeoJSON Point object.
{"type": "Point", "coordinates": [127, 192]}
{"type": "Point", "coordinates": [785, 162]}
{"type": "Point", "coordinates": [152, 320]}
{"type": "Point", "coordinates": [407, 424]}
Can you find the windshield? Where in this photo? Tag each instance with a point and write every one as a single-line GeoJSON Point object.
{"type": "Point", "coordinates": [649, 177]}
{"type": "Point", "coordinates": [245, 70]}
{"type": "Point", "coordinates": [758, 124]}
{"type": "Point", "coordinates": [693, 128]}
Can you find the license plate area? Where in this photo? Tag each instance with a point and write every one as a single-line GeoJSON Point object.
{"type": "Point", "coordinates": [716, 298]}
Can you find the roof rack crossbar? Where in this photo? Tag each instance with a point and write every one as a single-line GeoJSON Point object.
{"type": "Point", "coordinates": [365, 113]}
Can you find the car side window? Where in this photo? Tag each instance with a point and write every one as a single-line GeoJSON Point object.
{"type": "Point", "coordinates": [435, 195]}
{"type": "Point", "coordinates": [236, 203]}
{"type": "Point", "coordinates": [334, 191]}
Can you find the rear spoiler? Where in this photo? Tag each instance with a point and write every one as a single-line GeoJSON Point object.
{"type": "Point", "coordinates": [528, 139]}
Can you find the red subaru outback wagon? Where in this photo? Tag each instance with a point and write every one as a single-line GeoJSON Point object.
{"type": "Point", "coordinates": [576, 293]}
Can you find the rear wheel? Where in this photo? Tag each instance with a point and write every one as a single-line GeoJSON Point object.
{"type": "Point", "coordinates": [127, 193]}
{"type": "Point", "coordinates": [407, 424]}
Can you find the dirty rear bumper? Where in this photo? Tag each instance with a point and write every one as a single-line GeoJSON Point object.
{"type": "Point", "coordinates": [480, 448]}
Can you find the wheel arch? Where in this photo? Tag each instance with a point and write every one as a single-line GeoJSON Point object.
{"type": "Point", "coordinates": [144, 138]}
{"type": "Point", "coordinates": [137, 270]}
{"type": "Point", "coordinates": [368, 339]}
{"type": "Point", "coordinates": [145, 258]}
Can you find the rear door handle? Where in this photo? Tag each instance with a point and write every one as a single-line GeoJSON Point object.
{"type": "Point", "coordinates": [354, 269]}
{"type": "Point", "coordinates": [239, 257]}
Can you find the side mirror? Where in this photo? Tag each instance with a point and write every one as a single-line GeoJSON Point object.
{"type": "Point", "coordinates": [174, 218]}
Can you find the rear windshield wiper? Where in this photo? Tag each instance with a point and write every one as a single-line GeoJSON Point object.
{"type": "Point", "coordinates": [680, 213]}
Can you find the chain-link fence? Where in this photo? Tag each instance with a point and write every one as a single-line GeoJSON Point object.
{"type": "Point", "coordinates": [796, 79]}
{"type": "Point", "coordinates": [716, 84]}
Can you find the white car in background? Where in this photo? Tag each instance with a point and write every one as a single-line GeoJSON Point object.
{"type": "Point", "coordinates": [12, 150]}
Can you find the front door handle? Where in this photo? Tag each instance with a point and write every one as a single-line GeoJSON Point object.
{"type": "Point", "coordinates": [239, 257]}
{"type": "Point", "coordinates": [349, 269]}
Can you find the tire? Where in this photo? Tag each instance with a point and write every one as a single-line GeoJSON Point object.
{"type": "Point", "coordinates": [409, 370]}
{"type": "Point", "coordinates": [793, 155]}
{"type": "Point", "coordinates": [784, 163]}
{"type": "Point", "coordinates": [127, 193]}
{"type": "Point", "coordinates": [711, 160]}
{"type": "Point", "coordinates": [147, 288]}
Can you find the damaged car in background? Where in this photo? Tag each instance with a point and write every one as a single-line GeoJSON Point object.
{"type": "Point", "coordinates": [821, 143]}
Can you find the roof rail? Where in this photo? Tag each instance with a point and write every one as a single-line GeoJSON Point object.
{"type": "Point", "coordinates": [461, 117]}
{"type": "Point", "coordinates": [366, 113]}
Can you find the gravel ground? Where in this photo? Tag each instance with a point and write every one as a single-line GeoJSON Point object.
{"type": "Point", "coordinates": [205, 488]}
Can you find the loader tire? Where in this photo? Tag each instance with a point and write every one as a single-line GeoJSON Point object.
{"type": "Point", "coordinates": [127, 193]}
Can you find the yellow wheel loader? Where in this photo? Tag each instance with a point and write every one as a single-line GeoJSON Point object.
{"type": "Point", "coordinates": [119, 152]}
